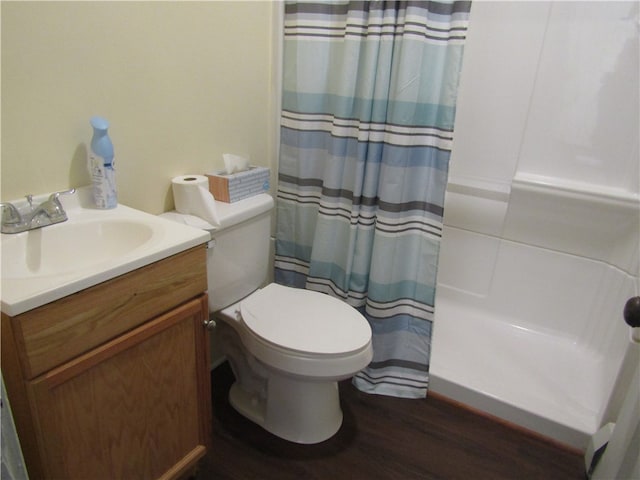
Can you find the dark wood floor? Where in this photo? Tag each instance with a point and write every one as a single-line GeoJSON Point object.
{"type": "Point", "coordinates": [383, 438]}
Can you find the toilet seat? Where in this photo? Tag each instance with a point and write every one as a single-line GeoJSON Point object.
{"type": "Point", "coordinates": [286, 352]}
{"type": "Point", "coordinates": [304, 321]}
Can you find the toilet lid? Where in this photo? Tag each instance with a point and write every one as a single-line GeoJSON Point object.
{"type": "Point", "coordinates": [306, 321]}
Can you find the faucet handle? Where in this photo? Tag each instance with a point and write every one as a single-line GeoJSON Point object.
{"type": "Point", "coordinates": [53, 207]}
{"type": "Point", "coordinates": [10, 214]}
{"type": "Point", "coordinates": [54, 196]}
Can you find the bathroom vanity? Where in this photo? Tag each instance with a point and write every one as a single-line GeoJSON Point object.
{"type": "Point", "coordinates": [112, 381]}
{"type": "Point", "coordinates": [104, 348]}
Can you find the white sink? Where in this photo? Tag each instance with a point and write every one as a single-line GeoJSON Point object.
{"type": "Point", "coordinates": [69, 247]}
{"type": "Point", "coordinates": [92, 246]}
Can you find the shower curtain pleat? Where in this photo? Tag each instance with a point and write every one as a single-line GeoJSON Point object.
{"type": "Point", "coordinates": [369, 94]}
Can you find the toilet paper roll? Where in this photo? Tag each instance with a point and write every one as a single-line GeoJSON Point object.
{"type": "Point", "coordinates": [192, 197]}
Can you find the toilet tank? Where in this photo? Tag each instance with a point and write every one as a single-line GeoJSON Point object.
{"type": "Point", "coordinates": [238, 253]}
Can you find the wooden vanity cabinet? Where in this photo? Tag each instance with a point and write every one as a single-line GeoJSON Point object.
{"type": "Point", "coordinates": [113, 382]}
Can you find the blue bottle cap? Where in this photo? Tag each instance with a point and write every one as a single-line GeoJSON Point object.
{"type": "Point", "coordinates": [99, 123]}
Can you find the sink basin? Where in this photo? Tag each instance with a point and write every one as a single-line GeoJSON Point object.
{"type": "Point", "coordinates": [92, 246]}
{"type": "Point", "coordinates": [69, 247]}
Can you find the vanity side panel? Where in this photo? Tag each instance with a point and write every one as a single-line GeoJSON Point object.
{"type": "Point", "coordinates": [61, 330]}
{"type": "Point", "coordinates": [203, 353]}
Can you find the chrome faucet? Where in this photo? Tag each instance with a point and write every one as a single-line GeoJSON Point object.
{"type": "Point", "coordinates": [47, 213]}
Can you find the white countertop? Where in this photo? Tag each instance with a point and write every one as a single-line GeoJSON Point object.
{"type": "Point", "coordinates": [24, 287]}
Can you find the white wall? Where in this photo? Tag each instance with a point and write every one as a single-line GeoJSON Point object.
{"type": "Point", "coordinates": [180, 82]}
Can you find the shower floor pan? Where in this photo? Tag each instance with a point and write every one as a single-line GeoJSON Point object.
{"type": "Point", "coordinates": [541, 382]}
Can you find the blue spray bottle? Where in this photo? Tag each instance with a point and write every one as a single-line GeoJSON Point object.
{"type": "Point", "coordinates": [101, 165]}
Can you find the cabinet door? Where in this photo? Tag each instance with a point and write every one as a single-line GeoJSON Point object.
{"type": "Point", "coordinates": [137, 407]}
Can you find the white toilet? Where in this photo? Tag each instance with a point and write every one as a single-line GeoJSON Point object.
{"type": "Point", "coordinates": [287, 347]}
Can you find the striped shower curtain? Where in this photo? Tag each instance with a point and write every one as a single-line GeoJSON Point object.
{"type": "Point", "coordinates": [369, 93]}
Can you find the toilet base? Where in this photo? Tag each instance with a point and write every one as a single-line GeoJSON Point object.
{"type": "Point", "coordinates": [297, 410]}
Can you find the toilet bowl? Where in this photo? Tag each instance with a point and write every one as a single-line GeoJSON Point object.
{"type": "Point", "coordinates": [288, 348]}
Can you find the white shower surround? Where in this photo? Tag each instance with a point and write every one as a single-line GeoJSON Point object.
{"type": "Point", "coordinates": [541, 243]}
{"type": "Point", "coordinates": [531, 334]}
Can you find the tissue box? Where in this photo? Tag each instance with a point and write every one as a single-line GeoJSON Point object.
{"type": "Point", "coordinates": [236, 186]}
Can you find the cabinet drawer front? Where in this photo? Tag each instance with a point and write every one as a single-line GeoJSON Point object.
{"type": "Point", "coordinates": [66, 328]}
